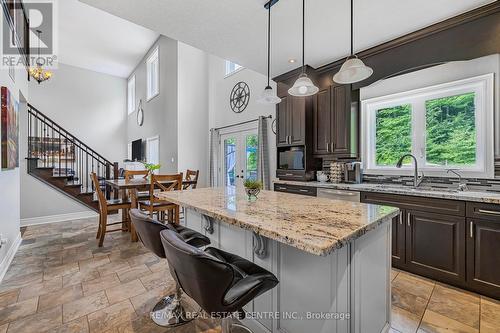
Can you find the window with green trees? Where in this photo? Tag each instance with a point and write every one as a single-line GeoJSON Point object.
{"type": "Point", "coordinates": [393, 134]}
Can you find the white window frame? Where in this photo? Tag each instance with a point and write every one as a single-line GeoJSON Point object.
{"type": "Point", "coordinates": [481, 86]}
{"type": "Point", "coordinates": [228, 70]}
{"type": "Point", "coordinates": [153, 74]}
{"type": "Point", "coordinates": [131, 101]}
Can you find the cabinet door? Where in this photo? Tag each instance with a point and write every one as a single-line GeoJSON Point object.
{"type": "Point", "coordinates": [341, 126]}
{"type": "Point", "coordinates": [322, 120]}
{"type": "Point", "coordinates": [297, 114]}
{"type": "Point", "coordinates": [398, 240]}
{"type": "Point", "coordinates": [435, 246]}
{"type": "Point", "coordinates": [483, 256]}
{"type": "Point", "coordinates": [282, 123]}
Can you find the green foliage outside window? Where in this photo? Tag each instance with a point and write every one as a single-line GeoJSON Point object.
{"type": "Point", "coordinates": [251, 147]}
{"type": "Point", "coordinates": [451, 130]}
{"type": "Point", "coordinates": [393, 134]}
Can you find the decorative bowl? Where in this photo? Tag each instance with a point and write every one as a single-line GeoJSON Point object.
{"type": "Point", "coordinates": [252, 192]}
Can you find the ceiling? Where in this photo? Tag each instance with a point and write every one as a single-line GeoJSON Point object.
{"type": "Point", "coordinates": [93, 39]}
{"type": "Point", "coordinates": [236, 29]}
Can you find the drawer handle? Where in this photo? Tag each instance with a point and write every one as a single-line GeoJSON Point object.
{"type": "Point", "coordinates": [471, 229]}
{"type": "Point", "coordinates": [409, 220]}
{"type": "Point", "coordinates": [491, 212]}
{"type": "Point", "coordinates": [304, 190]}
{"type": "Point", "coordinates": [288, 174]}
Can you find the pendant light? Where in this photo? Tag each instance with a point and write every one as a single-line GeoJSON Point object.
{"type": "Point", "coordinates": [268, 96]}
{"type": "Point", "coordinates": [353, 70]}
{"type": "Point", "coordinates": [303, 86]}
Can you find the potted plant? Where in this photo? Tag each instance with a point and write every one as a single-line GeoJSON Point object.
{"type": "Point", "coordinates": [151, 168]}
{"type": "Point", "coordinates": [252, 188]}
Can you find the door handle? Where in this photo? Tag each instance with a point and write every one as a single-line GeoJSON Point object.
{"type": "Point", "coordinates": [400, 217]}
{"type": "Point", "coordinates": [471, 229]}
{"type": "Point", "coordinates": [409, 219]}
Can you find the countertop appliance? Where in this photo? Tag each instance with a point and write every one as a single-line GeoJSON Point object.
{"type": "Point", "coordinates": [339, 194]}
{"type": "Point", "coordinates": [353, 173]}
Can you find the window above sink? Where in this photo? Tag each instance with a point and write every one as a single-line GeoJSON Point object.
{"type": "Point", "coordinates": [444, 126]}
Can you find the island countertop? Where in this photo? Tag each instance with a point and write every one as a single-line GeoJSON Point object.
{"type": "Point", "coordinates": [315, 225]}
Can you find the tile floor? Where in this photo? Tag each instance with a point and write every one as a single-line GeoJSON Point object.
{"type": "Point", "coordinates": [60, 281]}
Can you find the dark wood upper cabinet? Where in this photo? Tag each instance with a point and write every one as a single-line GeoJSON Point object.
{"type": "Point", "coordinates": [435, 246]}
{"type": "Point", "coordinates": [322, 122]}
{"type": "Point", "coordinates": [282, 127]}
{"type": "Point", "coordinates": [483, 256]}
{"type": "Point", "coordinates": [291, 121]}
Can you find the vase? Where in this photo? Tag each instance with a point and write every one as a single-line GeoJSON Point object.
{"type": "Point", "coordinates": [252, 192]}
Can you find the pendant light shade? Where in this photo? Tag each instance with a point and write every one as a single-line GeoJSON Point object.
{"type": "Point", "coordinates": [268, 95]}
{"type": "Point", "coordinates": [353, 70]}
{"type": "Point", "coordinates": [304, 85]}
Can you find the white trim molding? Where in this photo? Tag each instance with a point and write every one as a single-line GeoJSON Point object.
{"type": "Point", "coordinates": [57, 218]}
{"type": "Point", "coordinates": [4, 265]}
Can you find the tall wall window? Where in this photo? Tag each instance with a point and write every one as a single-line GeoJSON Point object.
{"type": "Point", "coordinates": [232, 67]}
{"type": "Point", "coordinates": [153, 74]}
{"type": "Point", "coordinates": [131, 95]}
{"type": "Point", "coordinates": [448, 126]}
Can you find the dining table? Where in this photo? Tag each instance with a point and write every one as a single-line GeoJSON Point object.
{"type": "Point", "coordinates": [122, 186]}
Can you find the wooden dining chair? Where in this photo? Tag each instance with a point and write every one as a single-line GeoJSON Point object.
{"type": "Point", "coordinates": [107, 206]}
{"type": "Point", "coordinates": [131, 174]}
{"type": "Point", "coordinates": [162, 183]}
{"type": "Point", "coordinates": [191, 175]}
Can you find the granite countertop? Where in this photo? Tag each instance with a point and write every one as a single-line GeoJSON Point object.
{"type": "Point", "coordinates": [476, 196]}
{"type": "Point", "coordinates": [315, 225]}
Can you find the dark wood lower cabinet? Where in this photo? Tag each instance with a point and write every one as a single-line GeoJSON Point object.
{"type": "Point", "coordinates": [435, 246]}
{"type": "Point", "coordinates": [398, 240]}
{"type": "Point", "coordinates": [483, 256]}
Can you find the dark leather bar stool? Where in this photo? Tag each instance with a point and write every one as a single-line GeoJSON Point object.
{"type": "Point", "coordinates": [220, 282]}
{"type": "Point", "coordinates": [169, 311]}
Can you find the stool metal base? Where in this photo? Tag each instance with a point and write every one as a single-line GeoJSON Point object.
{"type": "Point", "coordinates": [169, 312]}
{"type": "Point", "coordinates": [229, 323]}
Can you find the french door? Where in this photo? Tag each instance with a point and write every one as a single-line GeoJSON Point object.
{"type": "Point", "coordinates": [238, 157]}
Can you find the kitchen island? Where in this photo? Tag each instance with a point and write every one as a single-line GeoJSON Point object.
{"type": "Point", "coordinates": [333, 258]}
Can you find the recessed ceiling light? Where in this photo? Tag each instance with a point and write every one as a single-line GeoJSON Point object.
{"type": "Point", "coordinates": [291, 61]}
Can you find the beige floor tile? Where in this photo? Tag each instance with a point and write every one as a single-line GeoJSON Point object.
{"type": "Point", "coordinates": [490, 315]}
{"type": "Point", "coordinates": [142, 259]}
{"type": "Point", "coordinates": [93, 263]}
{"type": "Point", "coordinates": [123, 291]}
{"type": "Point", "coordinates": [8, 297]}
{"type": "Point", "coordinates": [159, 266]}
{"type": "Point", "coordinates": [404, 321]}
{"type": "Point", "coordinates": [415, 286]}
{"type": "Point", "coordinates": [20, 282]}
{"type": "Point", "coordinates": [144, 303]}
{"type": "Point", "coordinates": [39, 322]}
{"type": "Point", "coordinates": [110, 317]}
{"type": "Point", "coordinates": [394, 274]}
{"type": "Point", "coordinates": [408, 302]}
{"type": "Point", "coordinates": [456, 305]}
{"type": "Point", "coordinates": [157, 279]}
{"type": "Point", "coordinates": [79, 277]}
{"type": "Point", "coordinates": [59, 271]}
{"type": "Point", "coordinates": [113, 267]}
{"type": "Point", "coordinates": [93, 286]}
{"type": "Point", "coordinates": [18, 310]}
{"type": "Point", "coordinates": [133, 273]}
{"type": "Point", "coordinates": [64, 295]}
{"type": "Point", "coordinates": [84, 306]}
{"type": "Point", "coordinates": [40, 288]}
{"type": "Point", "coordinates": [79, 325]}
{"type": "Point", "coordinates": [433, 322]}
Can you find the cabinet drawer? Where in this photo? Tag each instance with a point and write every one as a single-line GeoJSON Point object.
{"type": "Point", "coordinates": [304, 190]}
{"type": "Point", "coordinates": [290, 174]}
{"type": "Point", "coordinates": [483, 211]}
{"type": "Point", "coordinates": [431, 205]}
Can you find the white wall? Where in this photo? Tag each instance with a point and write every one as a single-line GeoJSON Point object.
{"type": "Point", "coordinates": [91, 106]}
{"type": "Point", "coordinates": [220, 113]}
{"type": "Point", "coordinates": [160, 113]}
{"type": "Point", "coordinates": [193, 111]}
{"type": "Point", "coordinates": [10, 200]}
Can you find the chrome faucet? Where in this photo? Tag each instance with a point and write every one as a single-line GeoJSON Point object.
{"type": "Point", "coordinates": [462, 186]}
{"type": "Point", "coordinates": [416, 179]}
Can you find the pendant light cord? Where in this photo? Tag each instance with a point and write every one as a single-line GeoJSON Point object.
{"type": "Point", "coordinates": [352, 27]}
{"type": "Point", "coordinates": [303, 34]}
{"type": "Point", "coordinates": [269, 44]}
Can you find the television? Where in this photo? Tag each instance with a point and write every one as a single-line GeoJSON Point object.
{"type": "Point", "coordinates": [137, 150]}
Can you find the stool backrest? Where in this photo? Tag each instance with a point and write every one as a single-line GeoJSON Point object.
{"type": "Point", "coordinates": [203, 277]}
{"type": "Point", "coordinates": [148, 231]}
{"type": "Point", "coordinates": [192, 176]}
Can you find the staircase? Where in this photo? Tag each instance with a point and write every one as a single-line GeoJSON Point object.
{"type": "Point", "coordinates": [60, 160]}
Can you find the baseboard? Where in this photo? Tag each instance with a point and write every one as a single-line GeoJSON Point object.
{"type": "Point", "coordinates": [4, 265]}
{"type": "Point", "coordinates": [57, 218]}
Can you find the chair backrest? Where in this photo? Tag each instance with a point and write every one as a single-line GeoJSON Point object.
{"type": "Point", "coordinates": [100, 196]}
{"type": "Point", "coordinates": [164, 183]}
{"type": "Point", "coordinates": [148, 231]}
{"type": "Point", "coordinates": [203, 277]}
{"type": "Point", "coordinates": [130, 174]}
{"type": "Point", "coordinates": [192, 176]}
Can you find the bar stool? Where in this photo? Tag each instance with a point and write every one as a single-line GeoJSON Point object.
{"type": "Point", "coordinates": [169, 311]}
{"type": "Point", "coordinates": [220, 282]}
